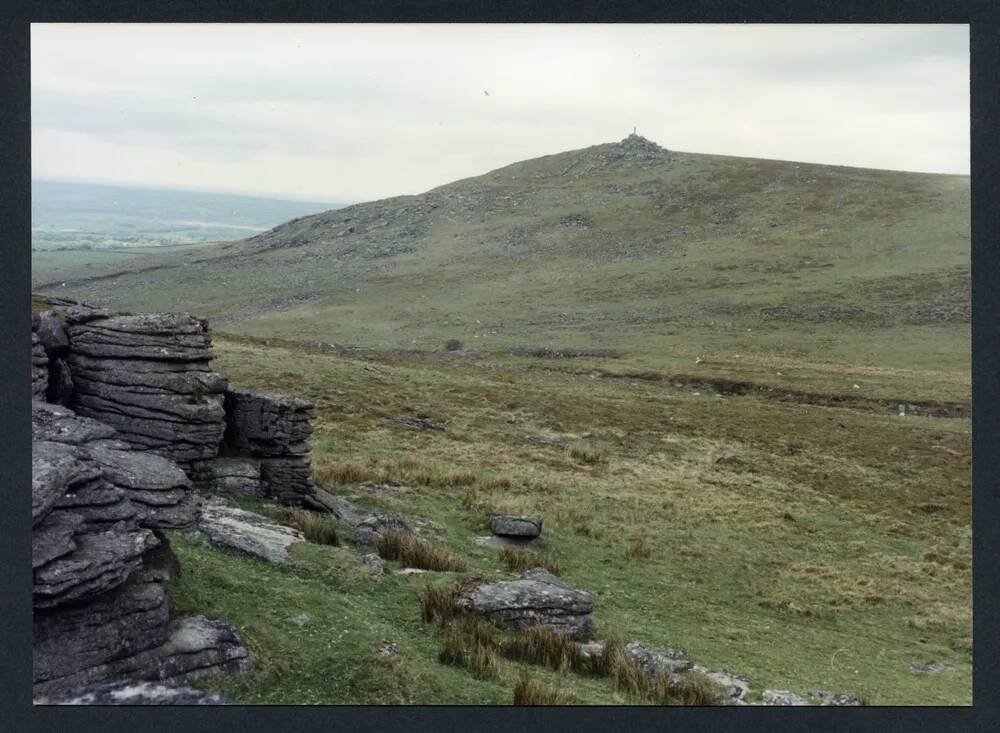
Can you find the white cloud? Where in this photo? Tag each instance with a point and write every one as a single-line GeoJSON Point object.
{"type": "Point", "coordinates": [354, 112]}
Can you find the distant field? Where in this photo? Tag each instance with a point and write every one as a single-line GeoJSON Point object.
{"type": "Point", "coordinates": [80, 215]}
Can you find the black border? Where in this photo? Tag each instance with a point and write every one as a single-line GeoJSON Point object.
{"type": "Point", "coordinates": [16, 712]}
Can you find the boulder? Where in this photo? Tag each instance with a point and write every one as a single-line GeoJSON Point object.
{"type": "Point", "coordinates": [127, 692]}
{"type": "Point", "coordinates": [247, 533]}
{"type": "Point", "coordinates": [510, 525]}
{"type": "Point", "coordinates": [287, 479]}
{"type": "Point", "coordinates": [536, 598]}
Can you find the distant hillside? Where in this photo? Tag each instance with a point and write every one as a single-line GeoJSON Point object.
{"type": "Point", "coordinates": [625, 245]}
{"type": "Point", "coordinates": [82, 215]}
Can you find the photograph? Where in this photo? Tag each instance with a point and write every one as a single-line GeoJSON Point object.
{"type": "Point", "coordinates": [500, 364]}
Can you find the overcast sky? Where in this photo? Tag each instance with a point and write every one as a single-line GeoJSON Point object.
{"type": "Point", "coordinates": [347, 113]}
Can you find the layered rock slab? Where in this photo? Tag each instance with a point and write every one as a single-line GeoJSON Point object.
{"type": "Point", "coordinates": [247, 533]}
{"type": "Point", "coordinates": [148, 377]}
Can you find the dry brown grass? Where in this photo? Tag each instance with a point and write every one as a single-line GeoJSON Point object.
{"type": "Point", "coordinates": [529, 692]}
{"type": "Point", "coordinates": [518, 560]}
{"type": "Point", "coordinates": [638, 548]}
{"type": "Point", "coordinates": [316, 527]}
{"type": "Point", "coordinates": [471, 645]}
{"type": "Point", "coordinates": [412, 552]}
{"type": "Point", "coordinates": [588, 455]}
{"type": "Point", "coordinates": [541, 645]}
{"type": "Point", "coordinates": [437, 602]}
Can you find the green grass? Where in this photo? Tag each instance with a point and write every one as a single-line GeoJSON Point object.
{"type": "Point", "coordinates": [804, 547]}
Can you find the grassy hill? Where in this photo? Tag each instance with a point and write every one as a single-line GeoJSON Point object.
{"type": "Point", "coordinates": [766, 319]}
{"type": "Point", "coordinates": [666, 256]}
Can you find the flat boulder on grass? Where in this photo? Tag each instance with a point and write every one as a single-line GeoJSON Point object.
{"type": "Point", "coordinates": [537, 598]}
{"type": "Point", "coordinates": [248, 533]}
{"type": "Point", "coordinates": [510, 525]}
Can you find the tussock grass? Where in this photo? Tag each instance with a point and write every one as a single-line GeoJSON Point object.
{"type": "Point", "coordinates": [316, 527]}
{"type": "Point", "coordinates": [529, 692]}
{"type": "Point", "coordinates": [638, 548]}
{"type": "Point", "coordinates": [543, 646]}
{"type": "Point", "coordinates": [588, 454]}
{"type": "Point", "coordinates": [518, 560]}
{"type": "Point", "coordinates": [439, 602]}
{"type": "Point", "coordinates": [403, 471]}
{"type": "Point", "coordinates": [414, 553]}
{"type": "Point", "coordinates": [471, 645]}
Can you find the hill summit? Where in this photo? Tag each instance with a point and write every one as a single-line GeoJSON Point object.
{"type": "Point", "coordinates": [625, 244]}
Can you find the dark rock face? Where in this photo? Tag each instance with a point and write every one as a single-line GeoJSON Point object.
{"type": "Point", "coordinates": [237, 476]}
{"type": "Point", "coordinates": [508, 525]}
{"type": "Point", "coordinates": [126, 692]}
{"type": "Point", "coordinates": [267, 423]}
{"type": "Point", "coordinates": [101, 611]}
{"type": "Point", "coordinates": [147, 376]}
{"type": "Point", "coordinates": [39, 369]}
{"type": "Point", "coordinates": [536, 598]}
{"type": "Point", "coordinates": [52, 334]}
{"type": "Point", "coordinates": [60, 390]}
{"type": "Point", "coordinates": [272, 427]}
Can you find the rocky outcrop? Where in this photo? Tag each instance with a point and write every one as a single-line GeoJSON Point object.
{"type": "Point", "coordinates": [237, 476]}
{"type": "Point", "coordinates": [147, 376]}
{"type": "Point", "coordinates": [536, 598]}
{"type": "Point", "coordinates": [99, 561]}
{"type": "Point", "coordinates": [657, 662]}
{"type": "Point", "coordinates": [39, 369]}
{"type": "Point", "coordinates": [127, 692]}
{"type": "Point", "coordinates": [273, 428]}
{"type": "Point", "coordinates": [247, 533]}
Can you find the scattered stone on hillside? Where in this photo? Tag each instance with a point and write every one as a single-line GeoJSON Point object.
{"type": "Point", "coordinates": [368, 525]}
{"type": "Point", "coordinates": [390, 489]}
{"type": "Point", "coordinates": [511, 525]}
{"type": "Point", "coordinates": [417, 423]}
{"type": "Point", "coordinates": [147, 376]}
{"type": "Point", "coordinates": [237, 476]}
{"type": "Point", "coordinates": [657, 662]}
{"type": "Point", "coordinates": [127, 692]}
{"type": "Point", "coordinates": [839, 699]}
{"type": "Point", "coordinates": [387, 648]}
{"type": "Point", "coordinates": [39, 369]}
{"type": "Point", "coordinates": [543, 440]}
{"type": "Point", "coordinates": [735, 688]}
{"type": "Point", "coordinates": [375, 563]}
{"type": "Point", "coordinates": [591, 648]}
{"type": "Point", "coordinates": [536, 598]}
{"type": "Point", "coordinates": [247, 533]}
{"type": "Point", "coordinates": [781, 697]}
{"type": "Point", "coordinates": [301, 619]}
{"type": "Point", "coordinates": [932, 668]}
